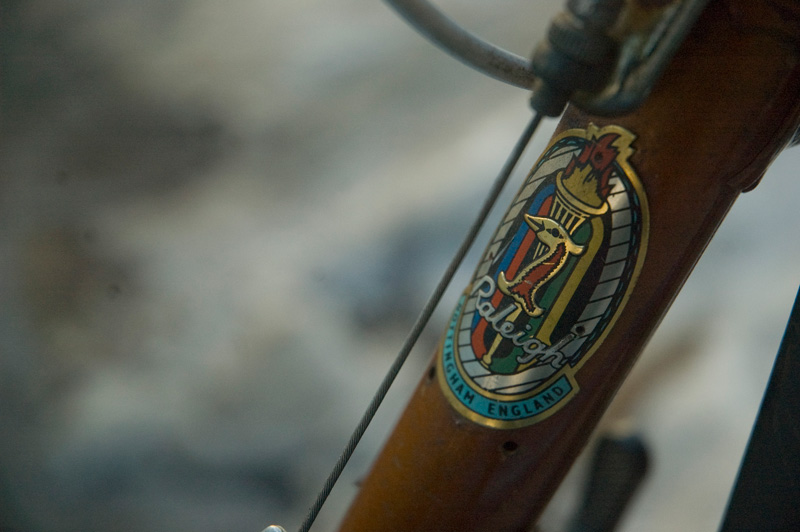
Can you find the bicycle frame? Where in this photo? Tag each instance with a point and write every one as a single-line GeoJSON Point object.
{"type": "Point", "coordinates": [506, 465]}
{"type": "Point", "coordinates": [194, 284]}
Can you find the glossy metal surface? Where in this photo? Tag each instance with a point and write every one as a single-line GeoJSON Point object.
{"type": "Point", "coordinates": [725, 107]}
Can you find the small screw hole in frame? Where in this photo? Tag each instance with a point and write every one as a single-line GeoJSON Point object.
{"type": "Point", "coordinates": [510, 447]}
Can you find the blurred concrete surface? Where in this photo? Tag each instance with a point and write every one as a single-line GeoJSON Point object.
{"type": "Point", "coordinates": [217, 222]}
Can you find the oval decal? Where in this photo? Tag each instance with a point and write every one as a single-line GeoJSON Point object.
{"type": "Point", "coordinates": [551, 283]}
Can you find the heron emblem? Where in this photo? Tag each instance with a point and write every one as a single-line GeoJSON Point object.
{"type": "Point", "coordinates": [558, 246]}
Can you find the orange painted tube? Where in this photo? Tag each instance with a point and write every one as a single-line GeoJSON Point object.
{"type": "Point", "coordinates": [593, 250]}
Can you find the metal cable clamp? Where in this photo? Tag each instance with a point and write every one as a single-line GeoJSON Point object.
{"type": "Point", "coordinates": [604, 56]}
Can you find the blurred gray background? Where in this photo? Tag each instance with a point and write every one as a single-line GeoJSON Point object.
{"type": "Point", "coordinates": [219, 219]}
